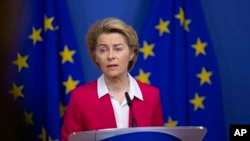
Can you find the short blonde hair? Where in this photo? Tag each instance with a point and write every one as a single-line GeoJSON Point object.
{"type": "Point", "coordinates": [110, 25]}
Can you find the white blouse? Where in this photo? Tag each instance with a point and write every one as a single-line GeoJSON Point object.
{"type": "Point", "coordinates": [121, 110]}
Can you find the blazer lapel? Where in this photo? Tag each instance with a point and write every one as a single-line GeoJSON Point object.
{"type": "Point", "coordinates": [139, 114]}
{"type": "Point", "coordinates": [106, 112]}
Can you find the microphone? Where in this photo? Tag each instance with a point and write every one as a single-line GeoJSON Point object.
{"type": "Point", "coordinates": [130, 107]}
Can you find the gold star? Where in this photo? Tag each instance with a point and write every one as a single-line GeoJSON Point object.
{"type": "Point", "coordinates": [17, 91]}
{"type": "Point", "coordinates": [199, 47]}
{"type": "Point", "coordinates": [180, 16]}
{"type": "Point", "coordinates": [35, 36]}
{"type": "Point", "coordinates": [48, 23]}
{"type": "Point", "coordinates": [28, 118]}
{"type": "Point", "coordinates": [171, 122]}
{"type": "Point", "coordinates": [163, 27]}
{"type": "Point", "coordinates": [143, 77]}
{"type": "Point", "coordinates": [204, 76]}
{"type": "Point", "coordinates": [43, 135]}
{"type": "Point", "coordinates": [67, 55]}
{"type": "Point", "coordinates": [197, 101]}
{"type": "Point", "coordinates": [183, 21]}
{"type": "Point", "coordinates": [70, 84]}
{"type": "Point", "coordinates": [62, 109]}
{"type": "Point", "coordinates": [50, 139]}
{"type": "Point", "coordinates": [186, 24]}
{"type": "Point", "coordinates": [21, 62]}
{"type": "Point", "coordinates": [147, 50]}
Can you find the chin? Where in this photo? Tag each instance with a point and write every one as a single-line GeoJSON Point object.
{"type": "Point", "coordinates": [112, 75]}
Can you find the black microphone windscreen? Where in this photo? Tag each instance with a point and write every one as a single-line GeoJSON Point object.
{"type": "Point", "coordinates": [128, 99]}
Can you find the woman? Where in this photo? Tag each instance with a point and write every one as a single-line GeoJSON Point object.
{"type": "Point", "coordinates": [113, 46]}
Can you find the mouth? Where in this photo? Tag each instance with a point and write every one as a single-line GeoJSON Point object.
{"type": "Point", "coordinates": [112, 65]}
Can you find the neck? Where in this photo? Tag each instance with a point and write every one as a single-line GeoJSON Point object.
{"type": "Point", "coordinates": [118, 84]}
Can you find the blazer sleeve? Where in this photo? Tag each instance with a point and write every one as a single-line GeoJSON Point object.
{"type": "Point", "coordinates": [158, 114]}
{"type": "Point", "coordinates": [151, 102]}
{"type": "Point", "coordinates": [72, 118]}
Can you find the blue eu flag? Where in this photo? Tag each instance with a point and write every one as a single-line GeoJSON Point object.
{"type": "Point", "coordinates": [177, 56]}
{"type": "Point", "coordinates": [44, 66]}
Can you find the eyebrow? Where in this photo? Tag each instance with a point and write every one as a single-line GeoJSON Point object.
{"type": "Point", "coordinates": [115, 45]}
{"type": "Point", "coordinates": [118, 44]}
{"type": "Point", "coordinates": [101, 45]}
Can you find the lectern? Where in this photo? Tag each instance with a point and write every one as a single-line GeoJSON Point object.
{"type": "Point", "coordinates": [179, 133]}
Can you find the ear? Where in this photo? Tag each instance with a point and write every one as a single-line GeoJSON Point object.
{"type": "Point", "coordinates": [131, 56]}
{"type": "Point", "coordinates": [96, 60]}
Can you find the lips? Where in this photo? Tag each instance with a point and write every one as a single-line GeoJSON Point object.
{"type": "Point", "coordinates": [112, 65]}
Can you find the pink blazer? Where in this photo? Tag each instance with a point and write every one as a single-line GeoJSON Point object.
{"type": "Point", "coordinates": [86, 112]}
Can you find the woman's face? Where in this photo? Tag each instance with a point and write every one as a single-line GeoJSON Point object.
{"type": "Point", "coordinates": [113, 54]}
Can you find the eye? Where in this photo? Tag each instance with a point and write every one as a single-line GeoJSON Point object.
{"type": "Point", "coordinates": [118, 49]}
{"type": "Point", "coordinates": [102, 49]}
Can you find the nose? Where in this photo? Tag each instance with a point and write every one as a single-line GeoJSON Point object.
{"type": "Point", "coordinates": [111, 55]}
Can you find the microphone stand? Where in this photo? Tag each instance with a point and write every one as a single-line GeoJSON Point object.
{"type": "Point", "coordinates": [130, 107]}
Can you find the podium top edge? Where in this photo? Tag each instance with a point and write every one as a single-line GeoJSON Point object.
{"type": "Point", "coordinates": [148, 128]}
{"type": "Point", "coordinates": [157, 127]}
{"type": "Point", "coordinates": [184, 133]}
